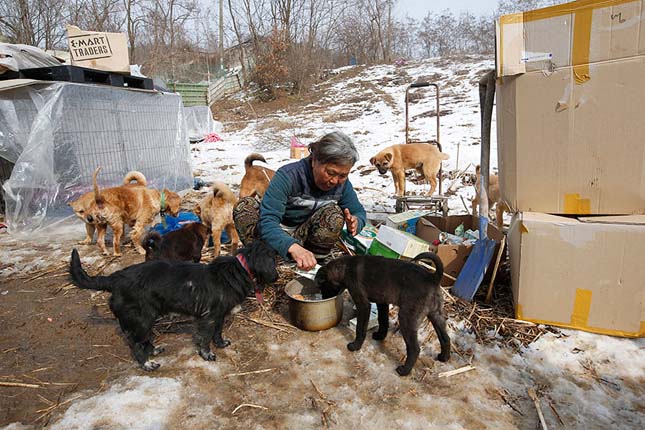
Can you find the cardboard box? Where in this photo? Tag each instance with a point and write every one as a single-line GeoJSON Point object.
{"type": "Point", "coordinates": [393, 243]}
{"type": "Point", "coordinates": [453, 257]}
{"type": "Point", "coordinates": [362, 241]}
{"type": "Point", "coordinates": [97, 50]}
{"type": "Point", "coordinates": [405, 221]}
{"type": "Point", "coordinates": [583, 273]}
{"type": "Point", "coordinates": [569, 138]}
{"type": "Point", "coordinates": [298, 152]}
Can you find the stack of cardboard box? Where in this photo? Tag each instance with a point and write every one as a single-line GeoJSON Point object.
{"type": "Point", "coordinates": [571, 148]}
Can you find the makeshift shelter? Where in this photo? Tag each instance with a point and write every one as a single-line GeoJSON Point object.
{"type": "Point", "coordinates": [54, 135]}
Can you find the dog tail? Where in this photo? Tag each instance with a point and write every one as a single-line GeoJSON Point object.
{"type": "Point", "coordinates": [151, 241]}
{"type": "Point", "coordinates": [248, 161]}
{"type": "Point", "coordinates": [444, 156]}
{"type": "Point", "coordinates": [81, 279]}
{"type": "Point", "coordinates": [97, 194]}
{"type": "Point", "coordinates": [438, 264]}
{"type": "Point", "coordinates": [135, 176]}
{"type": "Point", "coordinates": [221, 190]}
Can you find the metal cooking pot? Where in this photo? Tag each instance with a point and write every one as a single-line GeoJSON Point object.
{"type": "Point", "coordinates": [307, 310]}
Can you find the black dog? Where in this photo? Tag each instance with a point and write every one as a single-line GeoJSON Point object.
{"type": "Point", "coordinates": [386, 281]}
{"type": "Point", "coordinates": [143, 292]}
{"type": "Point", "coordinates": [184, 244]}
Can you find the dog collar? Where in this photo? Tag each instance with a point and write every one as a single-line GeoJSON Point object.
{"type": "Point", "coordinates": [162, 202]}
{"type": "Point", "coordinates": [245, 264]}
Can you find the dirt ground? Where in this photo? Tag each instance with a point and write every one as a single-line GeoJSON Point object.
{"type": "Point", "coordinates": [57, 339]}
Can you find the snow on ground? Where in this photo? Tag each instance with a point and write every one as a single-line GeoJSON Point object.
{"type": "Point", "coordinates": [590, 381]}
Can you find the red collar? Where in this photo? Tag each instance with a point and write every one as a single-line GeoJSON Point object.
{"type": "Point", "coordinates": [245, 264]}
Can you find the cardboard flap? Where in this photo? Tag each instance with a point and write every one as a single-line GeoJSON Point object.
{"type": "Point", "coordinates": [618, 219]}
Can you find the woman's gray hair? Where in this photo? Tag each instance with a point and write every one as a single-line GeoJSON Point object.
{"type": "Point", "coordinates": [336, 148]}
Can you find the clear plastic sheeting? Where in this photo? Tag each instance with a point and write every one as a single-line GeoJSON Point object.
{"type": "Point", "coordinates": [200, 122]}
{"type": "Point", "coordinates": [56, 135]}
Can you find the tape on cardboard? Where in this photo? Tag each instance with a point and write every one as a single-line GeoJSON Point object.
{"type": "Point", "coordinates": [581, 308]}
{"type": "Point", "coordinates": [573, 204]}
{"type": "Point", "coordinates": [583, 17]}
{"type": "Point", "coordinates": [641, 333]}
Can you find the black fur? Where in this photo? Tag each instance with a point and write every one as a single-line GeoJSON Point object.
{"type": "Point", "coordinates": [184, 244]}
{"type": "Point", "coordinates": [143, 292]}
{"type": "Point", "coordinates": [384, 281]}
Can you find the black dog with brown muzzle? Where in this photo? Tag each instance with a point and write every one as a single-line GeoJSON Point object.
{"type": "Point", "coordinates": [384, 281]}
{"type": "Point", "coordinates": [143, 292]}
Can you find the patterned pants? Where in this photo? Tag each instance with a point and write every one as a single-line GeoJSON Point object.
{"type": "Point", "coordinates": [318, 234]}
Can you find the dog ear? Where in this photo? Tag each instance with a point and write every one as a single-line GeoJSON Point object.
{"type": "Point", "coordinates": [372, 160]}
{"type": "Point", "coordinates": [388, 156]}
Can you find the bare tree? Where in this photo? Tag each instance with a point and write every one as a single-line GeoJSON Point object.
{"type": "Point", "coordinates": [33, 22]}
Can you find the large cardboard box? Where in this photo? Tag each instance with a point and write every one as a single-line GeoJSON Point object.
{"type": "Point", "coordinates": [452, 256]}
{"type": "Point", "coordinates": [583, 273]}
{"type": "Point", "coordinates": [98, 50]}
{"type": "Point", "coordinates": [570, 134]}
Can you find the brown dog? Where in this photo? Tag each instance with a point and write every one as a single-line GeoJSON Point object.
{"type": "Point", "coordinates": [184, 244]}
{"type": "Point", "coordinates": [256, 178]}
{"type": "Point", "coordinates": [216, 212]}
{"type": "Point", "coordinates": [134, 205]}
{"type": "Point", "coordinates": [423, 157]}
{"type": "Point", "coordinates": [494, 198]}
{"type": "Point", "coordinates": [82, 205]}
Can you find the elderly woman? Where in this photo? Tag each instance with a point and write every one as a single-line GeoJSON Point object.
{"type": "Point", "coordinates": [303, 211]}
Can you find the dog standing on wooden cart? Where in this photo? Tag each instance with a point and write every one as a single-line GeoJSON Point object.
{"type": "Point", "coordinates": [425, 158]}
{"type": "Point", "coordinates": [385, 281]}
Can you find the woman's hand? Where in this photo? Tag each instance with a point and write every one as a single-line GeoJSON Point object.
{"type": "Point", "coordinates": [351, 221]}
{"type": "Point", "coordinates": [304, 259]}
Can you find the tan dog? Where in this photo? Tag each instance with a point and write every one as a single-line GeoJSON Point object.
{"type": "Point", "coordinates": [82, 205]}
{"type": "Point", "coordinates": [494, 198]}
{"type": "Point", "coordinates": [216, 212]}
{"type": "Point", "coordinates": [256, 178]}
{"type": "Point", "coordinates": [423, 157]}
{"type": "Point", "coordinates": [134, 205]}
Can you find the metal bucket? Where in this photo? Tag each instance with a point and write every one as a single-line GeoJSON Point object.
{"type": "Point", "coordinates": [309, 313]}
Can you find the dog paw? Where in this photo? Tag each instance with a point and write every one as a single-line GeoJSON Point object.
{"type": "Point", "coordinates": [158, 350]}
{"type": "Point", "coordinates": [149, 366]}
{"type": "Point", "coordinates": [354, 346]}
{"type": "Point", "coordinates": [403, 371]}
{"type": "Point", "coordinates": [207, 355]}
{"type": "Point", "coordinates": [377, 335]}
{"type": "Point", "coordinates": [222, 343]}
{"type": "Point", "coordinates": [85, 242]}
{"type": "Point", "coordinates": [443, 357]}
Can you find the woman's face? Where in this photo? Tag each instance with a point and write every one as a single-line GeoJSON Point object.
{"type": "Point", "coordinates": [329, 175]}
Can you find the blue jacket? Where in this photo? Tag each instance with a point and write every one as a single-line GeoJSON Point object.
{"type": "Point", "coordinates": [292, 197]}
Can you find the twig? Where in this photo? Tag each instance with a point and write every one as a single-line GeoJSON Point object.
{"type": "Point", "coordinates": [555, 412]}
{"type": "Point", "coordinates": [271, 325]}
{"type": "Point", "coordinates": [536, 402]}
{"type": "Point", "coordinates": [456, 371]}
{"type": "Point", "coordinates": [46, 272]}
{"type": "Point", "coordinates": [250, 373]}
{"type": "Point", "coordinates": [489, 293]}
{"type": "Point", "coordinates": [18, 384]}
{"type": "Point", "coordinates": [464, 203]}
{"type": "Point", "coordinates": [248, 405]}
